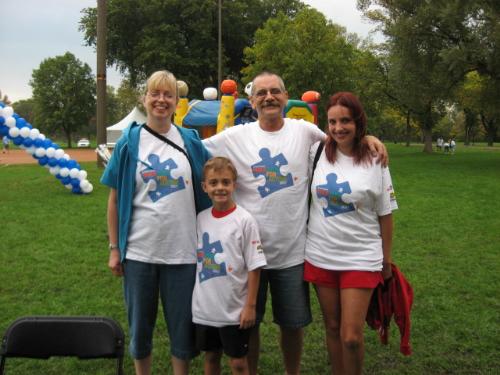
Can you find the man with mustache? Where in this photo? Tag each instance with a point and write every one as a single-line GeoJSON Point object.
{"type": "Point", "coordinates": [271, 156]}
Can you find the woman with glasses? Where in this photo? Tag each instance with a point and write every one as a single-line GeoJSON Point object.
{"type": "Point", "coordinates": [348, 246]}
{"type": "Point", "coordinates": [155, 178]}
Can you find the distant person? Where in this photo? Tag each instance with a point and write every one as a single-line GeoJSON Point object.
{"type": "Point", "coordinates": [453, 145]}
{"type": "Point", "coordinates": [155, 176]}
{"type": "Point", "coordinates": [439, 144]}
{"type": "Point", "coordinates": [349, 238]}
{"type": "Point", "coordinates": [446, 146]}
{"type": "Point", "coordinates": [5, 144]}
{"type": "Point", "coordinates": [229, 257]}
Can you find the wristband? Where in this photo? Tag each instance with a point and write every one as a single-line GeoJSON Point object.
{"type": "Point", "coordinates": [112, 246]}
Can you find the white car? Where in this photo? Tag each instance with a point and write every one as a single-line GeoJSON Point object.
{"type": "Point", "coordinates": [84, 142]}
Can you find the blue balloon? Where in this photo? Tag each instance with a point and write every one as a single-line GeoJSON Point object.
{"type": "Point", "coordinates": [66, 180]}
{"type": "Point", "coordinates": [56, 146]}
{"type": "Point", "coordinates": [47, 143]}
{"type": "Point", "coordinates": [75, 182]}
{"type": "Point", "coordinates": [53, 162]}
{"type": "Point", "coordinates": [27, 142]}
{"type": "Point", "coordinates": [2, 105]}
{"type": "Point", "coordinates": [29, 125]}
{"type": "Point", "coordinates": [4, 130]}
{"type": "Point", "coordinates": [71, 164]}
{"type": "Point", "coordinates": [16, 116]}
{"type": "Point", "coordinates": [20, 123]}
{"type": "Point", "coordinates": [38, 143]}
{"type": "Point", "coordinates": [43, 160]}
{"type": "Point", "coordinates": [58, 176]}
{"type": "Point", "coordinates": [63, 163]}
{"type": "Point", "coordinates": [76, 190]}
{"type": "Point", "coordinates": [2, 120]}
{"type": "Point", "coordinates": [18, 140]}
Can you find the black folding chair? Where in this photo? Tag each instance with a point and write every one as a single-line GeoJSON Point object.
{"type": "Point", "coordinates": [45, 336]}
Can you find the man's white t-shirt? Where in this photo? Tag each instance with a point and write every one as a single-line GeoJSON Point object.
{"type": "Point", "coordinates": [163, 223]}
{"type": "Point", "coordinates": [273, 179]}
{"type": "Point", "coordinates": [347, 199]}
{"type": "Point", "coordinates": [228, 248]}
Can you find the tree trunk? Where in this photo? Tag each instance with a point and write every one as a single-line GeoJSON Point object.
{"type": "Point", "coordinates": [427, 140]}
{"type": "Point", "coordinates": [408, 129]}
{"type": "Point", "coordinates": [491, 128]}
{"type": "Point", "coordinates": [68, 138]}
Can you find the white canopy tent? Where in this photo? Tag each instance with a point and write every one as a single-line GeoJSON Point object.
{"type": "Point", "coordinates": [114, 132]}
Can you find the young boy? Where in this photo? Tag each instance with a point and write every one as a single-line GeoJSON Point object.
{"type": "Point", "coordinates": [229, 258]}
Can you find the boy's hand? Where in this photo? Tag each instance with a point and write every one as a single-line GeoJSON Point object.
{"type": "Point", "coordinates": [247, 317]}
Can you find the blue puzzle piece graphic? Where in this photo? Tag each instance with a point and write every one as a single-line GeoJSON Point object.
{"type": "Point", "coordinates": [210, 266]}
{"type": "Point", "coordinates": [161, 172]}
{"type": "Point", "coordinates": [332, 192]}
{"type": "Point", "coordinates": [269, 167]}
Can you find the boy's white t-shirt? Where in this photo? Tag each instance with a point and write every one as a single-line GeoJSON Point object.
{"type": "Point", "coordinates": [163, 223]}
{"type": "Point", "coordinates": [228, 248]}
{"type": "Point", "coordinates": [273, 179]}
{"type": "Point", "coordinates": [347, 199]}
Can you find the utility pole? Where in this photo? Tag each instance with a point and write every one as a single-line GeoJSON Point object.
{"type": "Point", "coordinates": [219, 75]}
{"type": "Point", "coordinates": [101, 76]}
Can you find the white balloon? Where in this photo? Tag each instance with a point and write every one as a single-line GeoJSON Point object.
{"type": "Point", "coordinates": [41, 136]}
{"type": "Point", "coordinates": [54, 170]}
{"type": "Point", "coordinates": [25, 132]}
{"type": "Point", "coordinates": [34, 133]}
{"type": "Point", "coordinates": [51, 151]}
{"type": "Point", "coordinates": [8, 111]}
{"type": "Point", "coordinates": [88, 188]}
{"type": "Point", "coordinates": [31, 150]}
{"type": "Point", "coordinates": [64, 172]}
{"type": "Point", "coordinates": [59, 153]}
{"type": "Point", "coordinates": [40, 152]}
{"type": "Point", "coordinates": [82, 175]}
{"type": "Point", "coordinates": [73, 173]}
{"type": "Point", "coordinates": [14, 132]}
{"type": "Point", "coordinates": [69, 186]}
{"type": "Point", "coordinates": [248, 88]}
{"type": "Point", "coordinates": [66, 156]}
{"type": "Point", "coordinates": [210, 93]}
{"type": "Point", "coordinates": [84, 184]}
{"type": "Point", "coordinates": [10, 122]}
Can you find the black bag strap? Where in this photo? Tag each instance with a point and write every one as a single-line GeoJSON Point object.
{"type": "Point", "coordinates": [315, 163]}
{"type": "Point", "coordinates": [166, 140]}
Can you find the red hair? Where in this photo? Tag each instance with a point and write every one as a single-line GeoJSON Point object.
{"type": "Point", "coordinates": [360, 148]}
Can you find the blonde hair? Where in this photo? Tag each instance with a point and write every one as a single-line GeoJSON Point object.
{"type": "Point", "coordinates": [162, 79]}
{"type": "Point", "coordinates": [219, 163]}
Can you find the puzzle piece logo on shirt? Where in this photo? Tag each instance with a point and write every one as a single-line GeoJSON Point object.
{"type": "Point", "coordinates": [161, 173]}
{"type": "Point", "coordinates": [332, 192]}
{"type": "Point", "coordinates": [211, 259]}
{"type": "Point", "coordinates": [269, 167]}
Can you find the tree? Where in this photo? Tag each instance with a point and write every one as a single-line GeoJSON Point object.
{"type": "Point", "coordinates": [309, 53]}
{"type": "Point", "coordinates": [181, 36]}
{"type": "Point", "coordinates": [26, 109]}
{"type": "Point", "coordinates": [64, 94]}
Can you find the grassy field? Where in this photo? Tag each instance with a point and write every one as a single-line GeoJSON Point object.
{"type": "Point", "coordinates": [53, 253]}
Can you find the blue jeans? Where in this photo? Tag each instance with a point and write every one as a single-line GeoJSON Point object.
{"type": "Point", "coordinates": [289, 294]}
{"type": "Point", "coordinates": [173, 284]}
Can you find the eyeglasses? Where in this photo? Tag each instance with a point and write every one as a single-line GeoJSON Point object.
{"type": "Point", "coordinates": [159, 94]}
{"type": "Point", "coordinates": [262, 93]}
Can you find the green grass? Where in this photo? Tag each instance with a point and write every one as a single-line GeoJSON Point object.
{"type": "Point", "coordinates": [53, 254]}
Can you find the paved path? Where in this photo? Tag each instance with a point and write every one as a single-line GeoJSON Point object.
{"type": "Point", "coordinates": [22, 157]}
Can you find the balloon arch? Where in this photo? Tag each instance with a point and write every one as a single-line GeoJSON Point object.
{"type": "Point", "coordinates": [49, 154]}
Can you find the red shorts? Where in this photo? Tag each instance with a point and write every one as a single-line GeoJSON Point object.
{"type": "Point", "coordinates": [342, 279]}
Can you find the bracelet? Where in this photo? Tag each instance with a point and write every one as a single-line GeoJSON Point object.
{"type": "Point", "coordinates": [112, 246]}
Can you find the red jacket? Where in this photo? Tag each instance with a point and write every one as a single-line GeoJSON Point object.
{"type": "Point", "coordinates": [395, 297]}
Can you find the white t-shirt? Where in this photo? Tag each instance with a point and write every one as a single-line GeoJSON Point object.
{"type": "Point", "coordinates": [228, 248]}
{"type": "Point", "coordinates": [347, 199]}
{"type": "Point", "coordinates": [163, 223]}
{"type": "Point", "coordinates": [272, 184]}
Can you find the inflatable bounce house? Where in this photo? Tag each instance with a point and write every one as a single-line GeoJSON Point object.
{"type": "Point", "coordinates": [211, 116]}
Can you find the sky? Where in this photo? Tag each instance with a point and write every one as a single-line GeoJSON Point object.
{"type": "Point", "coordinates": [34, 30]}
